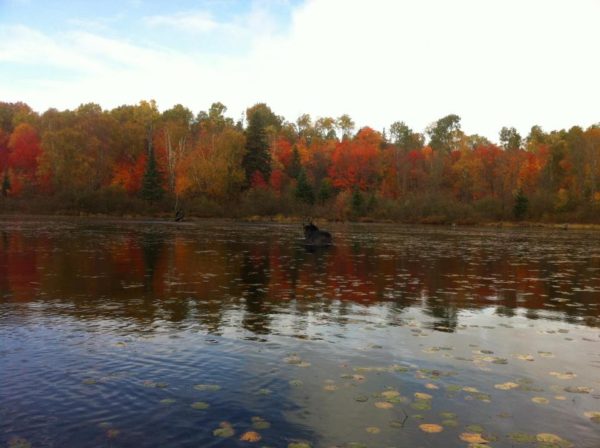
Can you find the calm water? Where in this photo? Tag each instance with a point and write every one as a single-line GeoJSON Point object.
{"type": "Point", "coordinates": [141, 334]}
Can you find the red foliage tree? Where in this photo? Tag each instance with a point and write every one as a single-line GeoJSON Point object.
{"type": "Point", "coordinates": [355, 162]}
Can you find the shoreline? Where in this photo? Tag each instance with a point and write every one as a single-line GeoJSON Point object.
{"type": "Point", "coordinates": [281, 219]}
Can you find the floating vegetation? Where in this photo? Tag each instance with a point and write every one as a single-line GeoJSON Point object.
{"type": "Point", "coordinates": [293, 359]}
{"type": "Point", "coordinates": [299, 444]}
{"type": "Point", "coordinates": [112, 433]}
{"type": "Point", "coordinates": [260, 423]}
{"type": "Point", "coordinates": [296, 383]}
{"type": "Point", "coordinates": [224, 430]}
{"type": "Point", "coordinates": [563, 376]}
{"type": "Point", "coordinates": [578, 389]}
{"type": "Point", "coordinates": [552, 440]}
{"type": "Point", "coordinates": [207, 387]}
{"type": "Point", "coordinates": [154, 385]}
{"type": "Point", "coordinates": [18, 442]}
{"type": "Point", "coordinates": [389, 394]}
{"type": "Point", "coordinates": [383, 405]}
{"type": "Point", "coordinates": [250, 436]}
{"type": "Point", "coordinates": [200, 405]}
{"type": "Point", "coordinates": [361, 398]}
{"type": "Point", "coordinates": [475, 428]}
{"type": "Point", "coordinates": [422, 396]}
{"type": "Point", "coordinates": [168, 401]}
{"type": "Point", "coordinates": [373, 429]}
{"type": "Point", "coordinates": [593, 416]}
{"type": "Point", "coordinates": [507, 386]}
{"type": "Point", "coordinates": [264, 391]}
{"type": "Point", "coordinates": [540, 400]}
{"type": "Point", "coordinates": [431, 428]}
{"type": "Point", "coordinates": [521, 437]}
{"type": "Point", "coordinates": [472, 437]}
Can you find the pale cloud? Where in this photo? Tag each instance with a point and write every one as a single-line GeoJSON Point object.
{"type": "Point", "coordinates": [196, 22]}
{"type": "Point", "coordinates": [495, 63]}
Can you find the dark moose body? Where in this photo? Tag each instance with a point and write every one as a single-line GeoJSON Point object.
{"type": "Point", "coordinates": [315, 237]}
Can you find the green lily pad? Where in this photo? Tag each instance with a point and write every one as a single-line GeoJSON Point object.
{"type": "Point", "coordinates": [521, 437]}
{"type": "Point", "coordinates": [201, 405]}
{"type": "Point", "coordinates": [450, 423]}
{"type": "Point", "coordinates": [448, 415]}
{"type": "Point", "coordinates": [224, 430]}
{"type": "Point", "coordinates": [207, 387]}
{"type": "Point", "coordinates": [421, 405]}
{"type": "Point", "coordinates": [475, 428]}
{"type": "Point", "coordinates": [168, 401]}
{"type": "Point", "coordinates": [260, 423]}
{"type": "Point", "coordinates": [299, 445]}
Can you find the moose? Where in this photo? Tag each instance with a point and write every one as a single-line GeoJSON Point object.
{"type": "Point", "coordinates": [315, 237]}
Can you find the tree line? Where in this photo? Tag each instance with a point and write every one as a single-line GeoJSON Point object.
{"type": "Point", "coordinates": [135, 159]}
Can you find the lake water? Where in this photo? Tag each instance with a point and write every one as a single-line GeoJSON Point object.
{"type": "Point", "coordinates": [134, 334]}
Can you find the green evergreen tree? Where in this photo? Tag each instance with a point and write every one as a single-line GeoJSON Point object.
{"type": "Point", "coordinates": [258, 154]}
{"type": "Point", "coordinates": [295, 165]}
{"type": "Point", "coordinates": [357, 202]}
{"type": "Point", "coordinates": [325, 191]}
{"type": "Point", "coordinates": [521, 205]}
{"type": "Point", "coordinates": [152, 189]}
{"type": "Point", "coordinates": [5, 185]}
{"type": "Point", "coordinates": [304, 191]}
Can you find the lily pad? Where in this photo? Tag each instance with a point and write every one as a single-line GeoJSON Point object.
{"type": "Point", "coordinates": [553, 440]}
{"type": "Point", "coordinates": [200, 405]}
{"type": "Point", "coordinates": [373, 429]}
{"type": "Point", "coordinates": [168, 401]}
{"type": "Point", "coordinates": [296, 383]}
{"type": "Point", "coordinates": [250, 436]}
{"type": "Point", "coordinates": [540, 400]}
{"type": "Point", "coordinates": [383, 405]}
{"type": "Point", "coordinates": [421, 405]}
{"type": "Point", "coordinates": [260, 423]}
{"type": "Point", "coordinates": [563, 376]}
{"type": "Point", "coordinates": [475, 428]}
{"type": "Point", "coordinates": [390, 394]}
{"type": "Point", "coordinates": [299, 445]}
{"type": "Point", "coordinates": [224, 430]}
{"type": "Point", "coordinates": [472, 437]}
{"type": "Point", "coordinates": [578, 389]}
{"type": "Point", "coordinates": [593, 416]}
{"type": "Point", "coordinates": [431, 428]}
{"type": "Point", "coordinates": [507, 386]}
{"type": "Point", "coordinates": [521, 437]}
{"type": "Point", "coordinates": [448, 415]}
{"type": "Point", "coordinates": [422, 396]}
{"type": "Point", "coordinates": [207, 387]}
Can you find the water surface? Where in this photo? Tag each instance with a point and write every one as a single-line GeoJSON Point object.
{"type": "Point", "coordinates": [160, 334]}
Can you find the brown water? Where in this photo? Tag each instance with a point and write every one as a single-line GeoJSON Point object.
{"type": "Point", "coordinates": [159, 334]}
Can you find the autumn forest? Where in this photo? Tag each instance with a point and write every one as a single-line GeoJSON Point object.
{"type": "Point", "coordinates": [135, 160]}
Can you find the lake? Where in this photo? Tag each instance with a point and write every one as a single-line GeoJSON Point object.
{"type": "Point", "coordinates": [201, 334]}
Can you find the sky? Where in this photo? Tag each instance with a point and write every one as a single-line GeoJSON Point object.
{"type": "Point", "coordinates": [494, 63]}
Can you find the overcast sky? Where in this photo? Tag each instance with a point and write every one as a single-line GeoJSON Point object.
{"type": "Point", "coordinates": [493, 62]}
